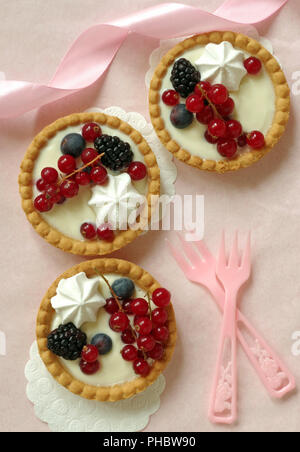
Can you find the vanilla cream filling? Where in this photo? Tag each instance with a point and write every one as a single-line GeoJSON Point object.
{"type": "Point", "coordinates": [68, 217]}
{"type": "Point", "coordinates": [113, 368]}
{"type": "Point", "coordinates": [254, 108]}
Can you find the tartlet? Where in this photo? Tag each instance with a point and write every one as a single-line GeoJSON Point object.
{"type": "Point", "coordinates": [28, 176]}
{"type": "Point", "coordinates": [270, 67]}
{"type": "Point", "coordinates": [143, 281]}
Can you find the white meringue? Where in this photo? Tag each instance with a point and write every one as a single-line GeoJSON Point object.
{"type": "Point", "coordinates": [77, 299]}
{"type": "Point", "coordinates": [116, 202]}
{"type": "Point", "coordinates": [222, 63]}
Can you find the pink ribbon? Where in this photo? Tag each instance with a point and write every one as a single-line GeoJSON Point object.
{"type": "Point", "coordinates": [94, 50]}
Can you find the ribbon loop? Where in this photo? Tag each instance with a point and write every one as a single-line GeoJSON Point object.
{"type": "Point", "coordinates": [93, 51]}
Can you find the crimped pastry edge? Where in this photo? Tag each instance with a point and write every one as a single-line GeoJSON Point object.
{"type": "Point", "coordinates": [43, 327]}
{"type": "Point", "coordinates": [282, 93]}
{"type": "Point", "coordinates": [52, 235]}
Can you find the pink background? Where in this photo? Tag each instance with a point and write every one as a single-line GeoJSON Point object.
{"type": "Point", "coordinates": [34, 35]}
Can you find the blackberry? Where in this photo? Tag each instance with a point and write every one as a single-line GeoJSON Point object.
{"type": "Point", "coordinates": [117, 154]}
{"type": "Point", "coordinates": [67, 341]}
{"type": "Point", "coordinates": [184, 77]}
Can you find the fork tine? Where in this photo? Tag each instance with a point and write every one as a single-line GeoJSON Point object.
{"type": "Point", "coordinates": [189, 251]}
{"type": "Point", "coordinates": [222, 254]}
{"type": "Point", "coordinates": [246, 259]}
{"type": "Point", "coordinates": [234, 259]}
{"type": "Point", "coordinates": [204, 250]}
{"type": "Point", "coordinates": [180, 258]}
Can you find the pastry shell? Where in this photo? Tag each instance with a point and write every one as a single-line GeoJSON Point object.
{"type": "Point", "coordinates": [53, 363]}
{"type": "Point", "coordinates": [281, 88]}
{"type": "Point", "coordinates": [50, 234]}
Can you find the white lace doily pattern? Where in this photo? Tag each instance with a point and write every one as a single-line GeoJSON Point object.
{"type": "Point", "coordinates": [66, 412]}
{"type": "Point", "coordinates": [168, 170]}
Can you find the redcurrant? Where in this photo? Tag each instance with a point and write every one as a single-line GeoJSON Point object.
{"type": "Point", "coordinates": [217, 128]}
{"type": "Point", "coordinates": [194, 103]}
{"type": "Point", "coordinates": [145, 343]}
{"type": "Point", "coordinates": [69, 188]}
{"type": "Point", "coordinates": [157, 352]}
{"type": "Point", "coordinates": [226, 108]}
{"type": "Point", "coordinates": [161, 297]}
{"type": "Point", "coordinates": [256, 140]}
{"type": "Point", "coordinates": [88, 231]}
{"type": "Point", "coordinates": [111, 306]}
{"type": "Point", "coordinates": [242, 140]}
{"type": "Point", "coordinates": [129, 353]}
{"type": "Point", "coordinates": [139, 306]}
{"type": "Point", "coordinates": [82, 178]}
{"type": "Point", "coordinates": [89, 368]}
{"type": "Point", "coordinates": [105, 232]}
{"type": "Point", "coordinates": [91, 131]}
{"type": "Point", "coordinates": [218, 94]}
{"type": "Point", "coordinates": [210, 139]}
{"type": "Point", "coordinates": [137, 171]}
{"type": "Point", "coordinates": [127, 337]}
{"type": "Point", "coordinates": [206, 115]}
{"type": "Point", "coordinates": [41, 185]}
{"type": "Point", "coordinates": [170, 97]}
{"type": "Point", "coordinates": [66, 164]}
{"type": "Point", "coordinates": [119, 321]}
{"type": "Point", "coordinates": [159, 316]}
{"type": "Point", "coordinates": [89, 353]}
{"type": "Point", "coordinates": [50, 175]}
{"type": "Point", "coordinates": [253, 65]}
{"type": "Point", "coordinates": [88, 155]}
{"type": "Point", "coordinates": [143, 325]}
{"type": "Point", "coordinates": [234, 129]}
{"type": "Point", "coordinates": [52, 192]}
{"type": "Point", "coordinates": [99, 175]}
{"type": "Point", "coordinates": [227, 147]}
{"type": "Point", "coordinates": [42, 203]}
{"type": "Point", "coordinates": [141, 367]}
{"type": "Point", "coordinates": [204, 85]}
{"type": "Point", "coordinates": [126, 305]}
{"type": "Point", "coordinates": [160, 333]}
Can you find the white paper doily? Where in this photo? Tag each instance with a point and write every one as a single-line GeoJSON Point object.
{"type": "Point", "coordinates": [168, 44]}
{"type": "Point", "coordinates": [67, 412]}
{"type": "Point", "coordinates": [168, 170]}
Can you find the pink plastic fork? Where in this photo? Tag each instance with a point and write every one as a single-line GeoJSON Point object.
{"type": "Point", "coordinates": [201, 269]}
{"type": "Point", "coordinates": [233, 275]}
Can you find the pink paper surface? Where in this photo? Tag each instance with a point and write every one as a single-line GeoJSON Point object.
{"type": "Point", "coordinates": [264, 198]}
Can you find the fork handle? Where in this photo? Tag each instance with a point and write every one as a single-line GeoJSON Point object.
{"type": "Point", "coordinates": [223, 402]}
{"type": "Point", "coordinates": [262, 357]}
{"type": "Point", "coordinates": [275, 376]}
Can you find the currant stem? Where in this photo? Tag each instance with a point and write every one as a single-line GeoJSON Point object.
{"type": "Point", "coordinates": [217, 114]}
{"type": "Point", "coordinates": [81, 168]}
{"type": "Point", "coordinates": [119, 305]}
{"type": "Point", "coordinates": [149, 304]}
{"type": "Point", "coordinates": [110, 288]}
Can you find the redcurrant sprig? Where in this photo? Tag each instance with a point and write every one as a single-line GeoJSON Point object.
{"type": "Point", "coordinates": [78, 170]}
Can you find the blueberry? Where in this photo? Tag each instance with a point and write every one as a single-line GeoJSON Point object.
{"type": "Point", "coordinates": [102, 342]}
{"type": "Point", "coordinates": [73, 144]}
{"type": "Point", "coordinates": [123, 287]}
{"type": "Point", "coordinates": [181, 117]}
